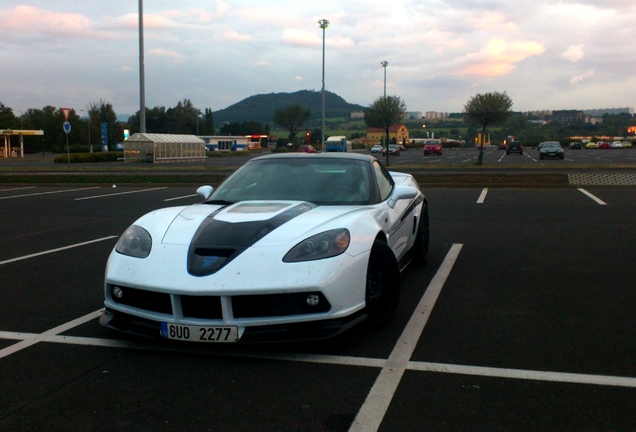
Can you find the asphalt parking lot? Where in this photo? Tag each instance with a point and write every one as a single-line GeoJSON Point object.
{"type": "Point", "coordinates": [523, 319]}
{"type": "Point", "coordinates": [530, 158]}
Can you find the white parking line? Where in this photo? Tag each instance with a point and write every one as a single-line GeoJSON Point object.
{"type": "Point", "coordinates": [375, 406]}
{"type": "Point", "coordinates": [33, 339]}
{"type": "Point", "coordinates": [119, 193]}
{"type": "Point", "coordinates": [18, 188]}
{"type": "Point", "coordinates": [48, 193]}
{"type": "Point", "coordinates": [607, 380]}
{"type": "Point", "coordinates": [482, 196]}
{"type": "Point", "coordinates": [599, 201]}
{"type": "Point", "coordinates": [55, 250]}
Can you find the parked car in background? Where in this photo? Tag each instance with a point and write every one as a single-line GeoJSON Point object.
{"type": "Point", "coordinates": [401, 147]}
{"type": "Point", "coordinates": [603, 145]}
{"type": "Point", "coordinates": [432, 146]}
{"type": "Point", "coordinates": [627, 144]}
{"type": "Point", "coordinates": [501, 146]}
{"type": "Point", "coordinates": [551, 149]}
{"type": "Point", "coordinates": [575, 145]}
{"type": "Point", "coordinates": [514, 147]}
{"type": "Point", "coordinates": [306, 148]}
{"type": "Point", "coordinates": [591, 145]}
{"type": "Point", "coordinates": [393, 150]}
{"type": "Point", "coordinates": [617, 145]}
{"type": "Point", "coordinates": [376, 149]}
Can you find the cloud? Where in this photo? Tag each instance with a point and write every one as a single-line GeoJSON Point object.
{"type": "Point", "coordinates": [499, 57]}
{"type": "Point", "coordinates": [301, 38]}
{"type": "Point", "coordinates": [574, 53]}
{"type": "Point", "coordinates": [235, 36]}
{"type": "Point", "coordinates": [580, 78]}
{"type": "Point", "coordinates": [175, 57]}
{"type": "Point", "coordinates": [32, 20]}
{"type": "Point", "coordinates": [298, 78]}
{"type": "Point", "coordinates": [492, 21]}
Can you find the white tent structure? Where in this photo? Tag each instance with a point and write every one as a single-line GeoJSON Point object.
{"type": "Point", "coordinates": [147, 147]}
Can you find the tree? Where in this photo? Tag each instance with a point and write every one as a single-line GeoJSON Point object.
{"type": "Point", "coordinates": [487, 109]}
{"type": "Point", "coordinates": [383, 113]}
{"type": "Point", "coordinates": [291, 118]}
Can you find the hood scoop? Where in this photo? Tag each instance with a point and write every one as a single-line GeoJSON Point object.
{"type": "Point", "coordinates": [217, 242]}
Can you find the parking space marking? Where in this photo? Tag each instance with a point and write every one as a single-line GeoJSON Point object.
{"type": "Point", "coordinates": [33, 339]}
{"type": "Point", "coordinates": [48, 193]}
{"type": "Point", "coordinates": [375, 406]}
{"type": "Point", "coordinates": [56, 250]}
{"type": "Point", "coordinates": [120, 193]}
{"type": "Point", "coordinates": [573, 378]}
{"type": "Point", "coordinates": [181, 197]}
{"type": "Point", "coordinates": [482, 196]}
{"type": "Point", "coordinates": [18, 188]}
{"type": "Point", "coordinates": [599, 201]}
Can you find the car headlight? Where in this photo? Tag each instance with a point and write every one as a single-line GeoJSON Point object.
{"type": "Point", "coordinates": [324, 245]}
{"type": "Point", "coordinates": [135, 242]}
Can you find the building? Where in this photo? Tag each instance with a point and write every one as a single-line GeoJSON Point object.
{"type": "Point", "coordinates": [398, 131]}
{"type": "Point", "coordinates": [148, 147]}
{"type": "Point", "coordinates": [436, 115]}
{"type": "Point", "coordinates": [413, 115]}
{"type": "Point", "coordinates": [357, 115]}
{"type": "Point", "coordinates": [601, 112]}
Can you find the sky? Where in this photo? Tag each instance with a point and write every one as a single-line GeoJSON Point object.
{"type": "Point", "coordinates": [570, 54]}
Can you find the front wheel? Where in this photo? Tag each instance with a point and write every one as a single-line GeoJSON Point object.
{"type": "Point", "coordinates": [383, 285]}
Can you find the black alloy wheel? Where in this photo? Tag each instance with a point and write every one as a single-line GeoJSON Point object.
{"type": "Point", "coordinates": [383, 286]}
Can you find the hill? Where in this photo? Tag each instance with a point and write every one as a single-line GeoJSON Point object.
{"type": "Point", "coordinates": [261, 107]}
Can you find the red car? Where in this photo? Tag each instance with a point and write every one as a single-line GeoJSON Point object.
{"type": "Point", "coordinates": [432, 146]}
{"type": "Point", "coordinates": [603, 145]}
{"type": "Point", "coordinates": [306, 148]}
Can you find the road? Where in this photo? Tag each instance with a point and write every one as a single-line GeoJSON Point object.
{"type": "Point", "coordinates": [523, 319]}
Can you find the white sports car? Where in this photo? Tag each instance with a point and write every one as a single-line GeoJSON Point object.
{"type": "Point", "coordinates": [289, 247]}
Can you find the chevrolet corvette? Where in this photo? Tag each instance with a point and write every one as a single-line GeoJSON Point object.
{"type": "Point", "coordinates": [289, 247]}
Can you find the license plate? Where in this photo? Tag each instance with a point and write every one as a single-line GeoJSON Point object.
{"type": "Point", "coordinates": [194, 333]}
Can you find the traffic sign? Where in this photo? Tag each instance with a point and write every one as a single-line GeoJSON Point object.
{"type": "Point", "coordinates": [66, 112]}
{"type": "Point", "coordinates": [67, 127]}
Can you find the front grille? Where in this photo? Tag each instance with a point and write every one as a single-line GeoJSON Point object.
{"type": "Point", "coordinates": [206, 307]}
{"type": "Point", "coordinates": [142, 299]}
{"type": "Point", "coordinates": [272, 305]}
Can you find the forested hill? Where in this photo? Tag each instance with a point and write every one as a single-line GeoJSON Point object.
{"type": "Point", "coordinates": [261, 107]}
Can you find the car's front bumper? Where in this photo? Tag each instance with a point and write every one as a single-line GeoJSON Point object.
{"type": "Point", "coordinates": [289, 332]}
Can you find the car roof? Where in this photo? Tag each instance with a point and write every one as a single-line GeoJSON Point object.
{"type": "Point", "coordinates": [326, 155]}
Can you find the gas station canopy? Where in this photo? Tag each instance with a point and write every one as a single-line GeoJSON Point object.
{"type": "Point", "coordinates": [5, 151]}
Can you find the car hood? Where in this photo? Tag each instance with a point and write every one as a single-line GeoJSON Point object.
{"type": "Point", "coordinates": [215, 235]}
{"type": "Point", "coordinates": [261, 223]}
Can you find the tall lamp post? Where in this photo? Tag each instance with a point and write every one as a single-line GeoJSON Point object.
{"type": "Point", "coordinates": [142, 79]}
{"type": "Point", "coordinates": [384, 65]}
{"type": "Point", "coordinates": [323, 23]}
{"type": "Point", "coordinates": [384, 139]}
{"type": "Point", "coordinates": [88, 122]}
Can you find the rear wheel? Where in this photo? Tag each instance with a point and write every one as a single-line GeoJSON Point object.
{"type": "Point", "coordinates": [383, 285]}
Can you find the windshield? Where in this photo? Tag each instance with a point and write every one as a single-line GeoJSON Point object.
{"type": "Point", "coordinates": [322, 181]}
{"type": "Point", "coordinates": [550, 145]}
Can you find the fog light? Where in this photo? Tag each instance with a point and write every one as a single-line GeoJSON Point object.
{"type": "Point", "coordinates": [118, 292]}
{"type": "Point", "coordinates": [313, 300]}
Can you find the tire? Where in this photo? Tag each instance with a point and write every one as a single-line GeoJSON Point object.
{"type": "Point", "coordinates": [383, 286]}
{"type": "Point", "coordinates": [422, 239]}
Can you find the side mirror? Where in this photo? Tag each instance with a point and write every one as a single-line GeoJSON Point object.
{"type": "Point", "coordinates": [402, 192]}
{"type": "Point", "coordinates": [205, 191]}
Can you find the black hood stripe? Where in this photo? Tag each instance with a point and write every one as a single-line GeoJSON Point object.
{"type": "Point", "coordinates": [216, 242]}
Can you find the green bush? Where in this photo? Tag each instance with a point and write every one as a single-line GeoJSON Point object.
{"type": "Point", "coordinates": [90, 157]}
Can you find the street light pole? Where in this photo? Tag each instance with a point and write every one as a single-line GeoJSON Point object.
{"type": "Point", "coordinates": [142, 78]}
{"type": "Point", "coordinates": [323, 23]}
{"type": "Point", "coordinates": [384, 139]}
{"type": "Point", "coordinates": [384, 65]}
{"type": "Point", "coordinates": [88, 121]}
